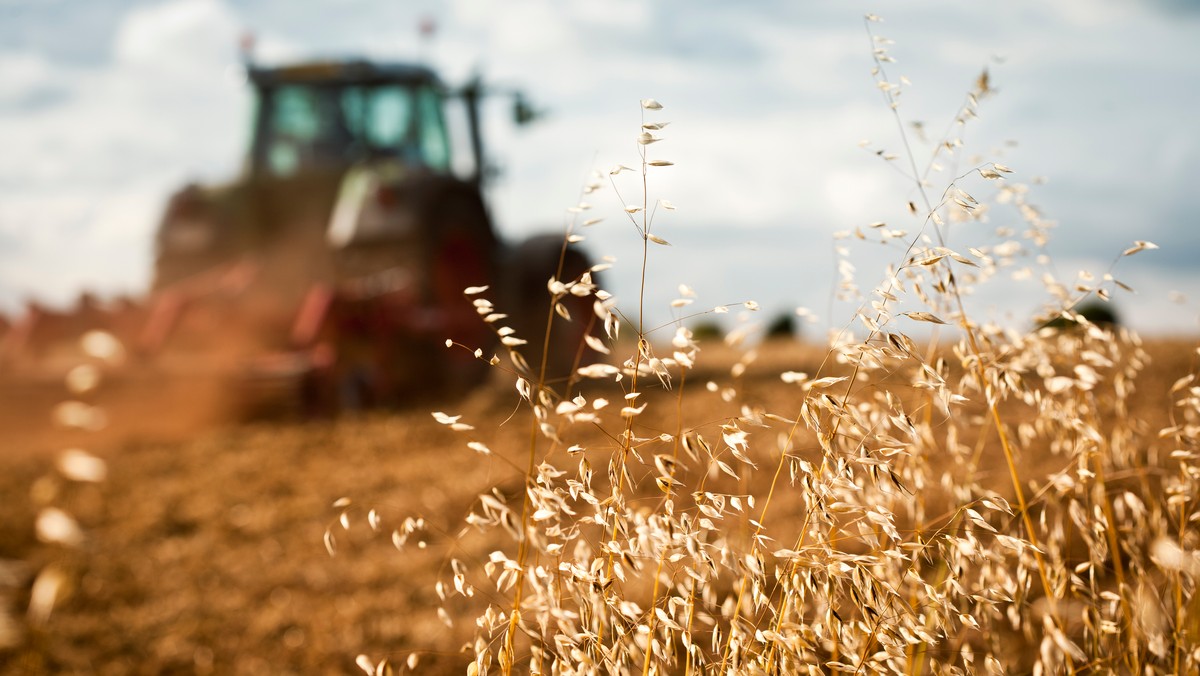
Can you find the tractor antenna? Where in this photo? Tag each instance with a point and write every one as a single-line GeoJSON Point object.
{"type": "Point", "coordinates": [246, 44]}
{"type": "Point", "coordinates": [426, 30]}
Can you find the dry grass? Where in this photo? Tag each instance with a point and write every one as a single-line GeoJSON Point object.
{"type": "Point", "coordinates": [883, 517]}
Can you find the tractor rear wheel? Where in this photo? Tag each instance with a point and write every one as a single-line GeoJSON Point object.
{"type": "Point", "coordinates": [529, 268]}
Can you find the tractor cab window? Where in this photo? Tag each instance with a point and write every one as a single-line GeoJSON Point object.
{"type": "Point", "coordinates": [303, 130]}
{"type": "Point", "coordinates": [435, 143]}
{"type": "Point", "coordinates": [307, 127]}
{"type": "Point", "coordinates": [384, 117]}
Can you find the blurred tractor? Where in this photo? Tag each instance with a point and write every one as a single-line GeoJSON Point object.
{"type": "Point", "coordinates": [330, 274]}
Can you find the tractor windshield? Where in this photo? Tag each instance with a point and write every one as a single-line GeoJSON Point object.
{"type": "Point", "coordinates": [302, 127]}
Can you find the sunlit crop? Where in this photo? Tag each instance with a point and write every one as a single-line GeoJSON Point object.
{"type": "Point", "coordinates": [942, 494]}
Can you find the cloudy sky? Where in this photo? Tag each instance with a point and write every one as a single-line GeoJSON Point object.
{"type": "Point", "coordinates": [106, 106]}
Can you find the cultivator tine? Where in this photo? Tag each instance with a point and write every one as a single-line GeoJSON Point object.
{"type": "Point", "coordinates": [164, 315]}
{"type": "Point", "coordinates": [314, 312]}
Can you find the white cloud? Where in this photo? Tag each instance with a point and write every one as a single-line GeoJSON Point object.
{"type": "Point", "coordinates": [178, 35]}
{"type": "Point", "coordinates": [29, 79]}
{"type": "Point", "coordinates": [95, 164]}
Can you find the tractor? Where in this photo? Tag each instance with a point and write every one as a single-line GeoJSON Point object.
{"type": "Point", "coordinates": [330, 274]}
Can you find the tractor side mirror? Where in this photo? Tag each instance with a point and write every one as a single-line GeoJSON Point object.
{"type": "Point", "coordinates": [523, 111]}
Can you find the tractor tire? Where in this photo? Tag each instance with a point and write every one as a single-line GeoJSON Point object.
{"type": "Point", "coordinates": [463, 254]}
{"type": "Point", "coordinates": [527, 299]}
{"type": "Point", "coordinates": [390, 349]}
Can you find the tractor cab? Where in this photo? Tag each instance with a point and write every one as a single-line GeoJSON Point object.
{"type": "Point", "coordinates": [351, 169]}
{"type": "Point", "coordinates": [328, 116]}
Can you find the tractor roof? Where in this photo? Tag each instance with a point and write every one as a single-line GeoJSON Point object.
{"type": "Point", "coordinates": [350, 72]}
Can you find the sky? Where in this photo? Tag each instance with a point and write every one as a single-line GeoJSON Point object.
{"type": "Point", "coordinates": [107, 106]}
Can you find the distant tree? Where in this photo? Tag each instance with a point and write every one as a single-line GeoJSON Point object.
{"type": "Point", "coordinates": [783, 326]}
{"type": "Point", "coordinates": [1097, 312]}
{"type": "Point", "coordinates": [708, 331]}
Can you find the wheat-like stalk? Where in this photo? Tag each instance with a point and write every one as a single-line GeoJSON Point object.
{"type": "Point", "coordinates": [866, 524]}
